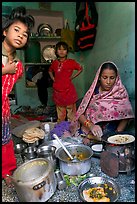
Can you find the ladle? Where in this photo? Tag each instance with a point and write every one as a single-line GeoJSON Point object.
{"type": "Point", "coordinates": [65, 149]}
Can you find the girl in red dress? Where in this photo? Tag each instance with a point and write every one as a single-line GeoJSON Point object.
{"type": "Point", "coordinates": [16, 29]}
{"type": "Point", "coordinates": [64, 92]}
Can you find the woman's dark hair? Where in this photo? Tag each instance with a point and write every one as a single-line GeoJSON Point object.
{"type": "Point", "coordinates": [108, 65]}
{"type": "Point", "coordinates": [63, 44]}
{"type": "Point", "coordinates": [18, 14]}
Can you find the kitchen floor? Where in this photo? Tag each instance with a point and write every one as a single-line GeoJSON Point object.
{"type": "Point", "coordinates": [70, 194]}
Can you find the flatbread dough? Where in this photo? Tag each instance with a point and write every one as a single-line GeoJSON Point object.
{"type": "Point", "coordinates": [31, 135]}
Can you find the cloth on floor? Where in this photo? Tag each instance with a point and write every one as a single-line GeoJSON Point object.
{"type": "Point", "coordinates": [19, 131]}
{"type": "Point", "coordinates": [60, 129]}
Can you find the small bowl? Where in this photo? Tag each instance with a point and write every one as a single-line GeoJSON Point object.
{"type": "Point", "coordinates": [97, 147]}
{"type": "Point", "coordinates": [110, 187]}
{"type": "Point", "coordinates": [30, 152]}
{"type": "Point", "coordinates": [18, 148]}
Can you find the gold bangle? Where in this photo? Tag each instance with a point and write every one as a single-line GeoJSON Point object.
{"type": "Point", "coordinates": [87, 123]}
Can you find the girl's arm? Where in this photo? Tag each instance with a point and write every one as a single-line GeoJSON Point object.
{"type": "Point", "coordinates": [51, 75]}
{"type": "Point", "coordinates": [77, 73]}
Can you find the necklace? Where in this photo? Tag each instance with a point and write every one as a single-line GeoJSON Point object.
{"type": "Point", "coordinates": [60, 65]}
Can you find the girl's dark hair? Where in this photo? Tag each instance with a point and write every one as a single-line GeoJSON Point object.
{"type": "Point", "coordinates": [63, 44]}
{"type": "Point", "coordinates": [18, 14]}
{"type": "Point", "coordinates": [108, 65]}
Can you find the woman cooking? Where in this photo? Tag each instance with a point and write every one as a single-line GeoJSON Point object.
{"type": "Point", "coordinates": [105, 108]}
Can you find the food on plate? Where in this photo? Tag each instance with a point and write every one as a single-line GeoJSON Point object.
{"type": "Point", "coordinates": [121, 139]}
{"type": "Point", "coordinates": [96, 194]}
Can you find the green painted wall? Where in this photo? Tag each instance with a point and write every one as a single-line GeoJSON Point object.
{"type": "Point", "coordinates": [115, 41]}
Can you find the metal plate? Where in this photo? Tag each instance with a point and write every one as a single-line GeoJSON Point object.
{"type": "Point", "coordinates": [48, 52]}
{"type": "Point", "coordinates": [112, 190]}
{"type": "Point", "coordinates": [121, 139]}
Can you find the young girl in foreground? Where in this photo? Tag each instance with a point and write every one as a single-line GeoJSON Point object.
{"type": "Point", "coordinates": [16, 29]}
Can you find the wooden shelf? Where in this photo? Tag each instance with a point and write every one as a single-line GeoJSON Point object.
{"type": "Point", "coordinates": [31, 63]}
{"type": "Point", "coordinates": [43, 38]}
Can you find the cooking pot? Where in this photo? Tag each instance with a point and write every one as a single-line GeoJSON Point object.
{"type": "Point", "coordinates": [35, 180]}
{"type": "Point", "coordinates": [83, 153]}
{"type": "Point", "coordinates": [47, 152]}
{"type": "Point", "coordinates": [123, 145]}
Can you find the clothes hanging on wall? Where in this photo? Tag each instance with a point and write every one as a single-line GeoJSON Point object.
{"type": "Point", "coordinates": [85, 26]}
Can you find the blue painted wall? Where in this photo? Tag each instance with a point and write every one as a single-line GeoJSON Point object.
{"type": "Point", "coordinates": [115, 41]}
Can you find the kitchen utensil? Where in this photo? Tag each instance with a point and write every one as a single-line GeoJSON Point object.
{"type": "Point", "coordinates": [82, 166]}
{"type": "Point", "coordinates": [110, 186]}
{"type": "Point", "coordinates": [61, 183]}
{"type": "Point", "coordinates": [30, 152]}
{"type": "Point", "coordinates": [97, 147]}
{"type": "Point", "coordinates": [48, 53]}
{"type": "Point", "coordinates": [19, 148]}
{"type": "Point", "coordinates": [47, 152]}
{"type": "Point", "coordinates": [35, 180]}
{"type": "Point", "coordinates": [65, 149]}
{"type": "Point", "coordinates": [54, 143]}
{"type": "Point", "coordinates": [121, 139]}
{"type": "Point", "coordinates": [123, 146]}
{"type": "Point", "coordinates": [44, 29]}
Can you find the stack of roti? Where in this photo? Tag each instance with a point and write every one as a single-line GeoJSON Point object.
{"type": "Point", "coordinates": [31, 135]}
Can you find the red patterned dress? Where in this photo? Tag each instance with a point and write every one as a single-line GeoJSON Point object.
{"type": "Point", "coordinates": [8, 81]}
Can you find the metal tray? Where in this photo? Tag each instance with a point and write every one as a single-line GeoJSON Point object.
{"type": "Point", "coordinates": [112, 190]}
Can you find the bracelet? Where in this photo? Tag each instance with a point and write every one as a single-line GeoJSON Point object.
{"type": "Point", "coordinates": [87, 123]}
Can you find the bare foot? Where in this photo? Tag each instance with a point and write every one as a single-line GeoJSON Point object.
{"type": "Point", "coordinates": [8, 181]}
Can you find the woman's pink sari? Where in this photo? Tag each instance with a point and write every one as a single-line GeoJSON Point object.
{"type": "Point", "coordinates": [106, 106]}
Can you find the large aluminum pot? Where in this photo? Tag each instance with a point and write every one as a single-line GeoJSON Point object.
{"type": "Point", "coordinates": [123, 145]}
{"type": "Point", "coordinates": [82, 153]}
{"type": "Point", "coordinates": [35, 180]}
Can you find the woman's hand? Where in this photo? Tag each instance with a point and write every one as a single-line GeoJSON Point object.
{"type": "Point", "coordinates": [96, 130]}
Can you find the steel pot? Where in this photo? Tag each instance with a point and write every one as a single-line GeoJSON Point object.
{"type": "Point", "coordinates": [35, 180]}
{"type": "Point", "coordinates": [82, 152]}
{"type": "Point", "coordinates": [47, 152]}
{"type": "Point", "coordinates": [123, 145]}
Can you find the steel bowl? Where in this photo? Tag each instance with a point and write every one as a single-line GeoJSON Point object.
{"type": "Point", "coordinates": [110, 187]}
{"type": "Point", "coordinates": [30, 152]}
{"type": "Point", "coordinates": [18, 148]}
{"type": "Point", "coordinates": [44, 29]}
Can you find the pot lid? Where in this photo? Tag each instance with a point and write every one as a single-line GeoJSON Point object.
{"type": "Point", "coordinates": [121, 139]}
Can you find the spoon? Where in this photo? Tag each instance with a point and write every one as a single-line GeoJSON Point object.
{"type": "Point", "coordinates": [65, 149]}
